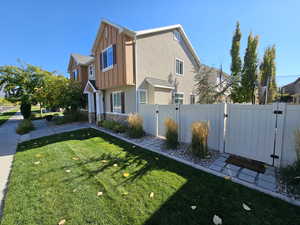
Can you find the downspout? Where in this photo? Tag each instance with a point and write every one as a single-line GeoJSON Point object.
{"type": "Point", "coordinates": [135, 74]}
{"type": "Point", "coordinates": [104, 104]}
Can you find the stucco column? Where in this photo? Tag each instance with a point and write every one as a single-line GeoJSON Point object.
{"type": "Point", "coordinates": [91, 107]}
{"type": "Point", "coordinates": [99, 106]}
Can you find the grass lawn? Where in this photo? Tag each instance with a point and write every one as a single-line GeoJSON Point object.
{"type": "Point", "coordinates": [5, 116]}
{"type": "Point", "coordinates": [60, 177]}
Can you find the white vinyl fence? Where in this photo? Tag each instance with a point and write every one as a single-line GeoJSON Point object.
{"type": "Point", "coordinates": [260, 132]}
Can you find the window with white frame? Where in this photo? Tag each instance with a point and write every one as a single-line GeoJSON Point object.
{"type": "Point", "coordinates": [179, 67]}
{"type": "Point", "coordinates": [178, 98]}
{"type": "Point", "coordinates": [117, 102]}
{"type": "Point", "coordinates": [92, 72]}
{"type": "Point", "coordinates": [177, 36]}
{"type": "Point", "coordinates": [75, 74]}
{"type": "Point", "coordinates": [107, 58]}
{"type": "Point", "coordinates": [192, 99]}
{"type": "Point", "coordinates": [143, 96]}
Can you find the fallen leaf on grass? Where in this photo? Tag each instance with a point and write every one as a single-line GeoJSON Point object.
{"type": "Point", "coordinates": [99, 193]}
{"type": "Point", "coordinates": [193, 207]}
{"type": "Point", "coordinates": [62, 222]}
{"type": "Point", "coordinates": [217, 220]}
{"type": "Point", "coordinates": [246, 207]}
{"type": "Point", "coordinates": [37, 162]}
{"type": "Point", "coordinates": [68, 171]}
{"type": "Point", "coordinates": [75, 158]}
{"type": "Point", "coordinates": [125, 174]}
{"type": "Point", "coordinates": [151, 195]}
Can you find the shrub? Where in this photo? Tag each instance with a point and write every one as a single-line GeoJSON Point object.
{"type": "Point", "coordinates": [200, 131]}
{"type": "Point", "coordinates": [108, 124]}
{"type": "Point", "coordinates": [290, 175]}
{"type": "Point", "coordinates": [71, 116]}
{"type": "Point", "coordinates": [171, 133]}
{"type": "Point", "coordinates": [25, 126]}
{"type": "Point", "coordinates": [135, 126]}
{"type": "Point", "coordinates": [119, 128]}
{"type": "Point", "coordinates": [25, 110]}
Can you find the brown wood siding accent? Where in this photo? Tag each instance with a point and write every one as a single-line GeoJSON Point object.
{"type": "Point", "coordinates": [83, 75]}
{"type": "Point", "coordinates": [122, 73]}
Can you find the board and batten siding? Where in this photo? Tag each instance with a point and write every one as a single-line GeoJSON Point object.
{"type": "Point", "coordinates": [122, 73]}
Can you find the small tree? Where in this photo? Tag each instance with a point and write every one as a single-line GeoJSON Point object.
{"type": "Point", "coordinates": [236, 65]}
{"type": "Point", "coordinates": [20, 83]}
{"type": "Point", "coordinates": [268, 88]}
{"type": "Point", "coordinates": [211, 84]}
{"type": "Point", "coordinates": [249, 72]}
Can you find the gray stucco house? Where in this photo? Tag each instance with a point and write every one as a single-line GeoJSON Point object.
{"type": "Point", "coordinates": [127, 68]}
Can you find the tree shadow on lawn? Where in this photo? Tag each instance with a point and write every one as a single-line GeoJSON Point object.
{"type": "Point", "coordinates": [211, 195]}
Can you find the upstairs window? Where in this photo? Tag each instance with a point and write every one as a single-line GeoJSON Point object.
{"type": "Point", "coordinates": [179, 67]}
{"type": "Point", "coordinates": [91, 72]}
{"type": "Point", "coordinates": [178, 98]}
{"type": "Point", "coordinates": [108, 58]}
{"type": "Point", "coordinates": [75, 74]}
{"type": "Point", "coordinates": [142, 96]}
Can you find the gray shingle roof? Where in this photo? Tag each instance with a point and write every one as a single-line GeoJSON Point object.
{"type": "Point", "coordinates": [82, 59]}
{"type": "Point", "coordinates": [155, 82]}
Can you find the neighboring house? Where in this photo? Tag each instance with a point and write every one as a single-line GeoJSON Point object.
{"type": "Point", "coordinates": [293, 89]}
{"type": "Point", "coordinates": [155, 66]}
{"type": "Point", "coordinates": [79, 68]}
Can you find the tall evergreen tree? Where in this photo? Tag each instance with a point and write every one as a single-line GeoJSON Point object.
{"type": "Point", "coordinates": [236, 64]}
{"type": "Point", "coordinates": [268, 85]}
{"type": "Point", "coordinates": [249, 72]}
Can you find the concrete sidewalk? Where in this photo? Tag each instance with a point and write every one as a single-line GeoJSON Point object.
{"type": "Point", "coordinates": [8, 144]}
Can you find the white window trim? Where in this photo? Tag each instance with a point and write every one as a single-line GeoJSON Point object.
{"type": "Point", "coordinates": [178, 74]}
{"type": "Point", "coordinates": [146, 93]}
{"type": "Point", "coordinates": [109, 67]}
{"type": "Point", "coordinates": [179, 93]}
{"type": "Point", "coordinates": [116, 92]}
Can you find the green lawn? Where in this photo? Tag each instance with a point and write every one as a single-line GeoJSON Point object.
{"type": "Point", "coordinates": [58, 177]}
{"type": "Point", "coordinates": [5, 116]}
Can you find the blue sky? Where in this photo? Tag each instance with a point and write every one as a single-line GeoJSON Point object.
{"type": "Point", "coordinates": [44, 33]}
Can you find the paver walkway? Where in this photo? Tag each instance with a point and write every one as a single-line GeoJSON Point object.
{"type": "Point", "coordinates": [8, 144]}
{"type": "Point", "coordinates": [44, 128]}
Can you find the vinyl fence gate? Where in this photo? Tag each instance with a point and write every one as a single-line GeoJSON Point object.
{"type": "Point", "coordinates": [255, 131]}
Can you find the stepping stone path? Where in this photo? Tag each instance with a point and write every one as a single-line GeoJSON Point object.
{"type": "Point", "coordinates": [266, 180]}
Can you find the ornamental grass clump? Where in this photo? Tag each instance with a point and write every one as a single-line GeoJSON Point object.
{"type": "Point", "coordinates": [135, 126]}
{"type": "Point", "coordinates": [200, 132]}
{"type": "Point", "coordinates": [290, 175]}
{"type": "Point", "coordinates": [171, 133]}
